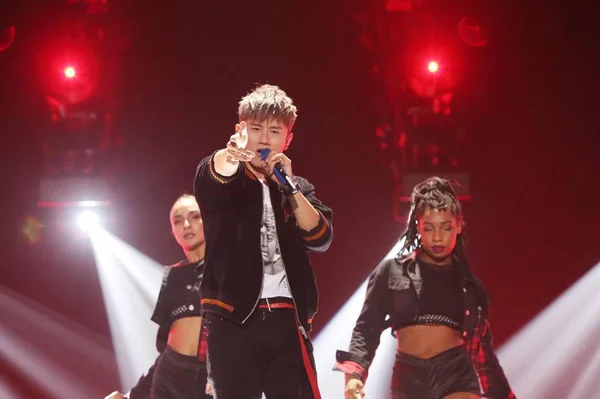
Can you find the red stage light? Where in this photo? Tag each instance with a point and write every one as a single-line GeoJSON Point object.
{"type": "Point", "coordinates": [433, 66]}
{"type": "Point", "coordinates": [70, 72]}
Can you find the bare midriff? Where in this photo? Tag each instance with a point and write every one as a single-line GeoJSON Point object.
{"type": "Point", "coordinates": [424, 342]}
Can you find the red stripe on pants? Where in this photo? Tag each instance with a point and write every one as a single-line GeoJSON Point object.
{"type": "Point", "coordinates": [310, 372]}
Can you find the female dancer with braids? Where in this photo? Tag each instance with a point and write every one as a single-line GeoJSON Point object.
{"type": "Point", "coordinates": [438, 311]}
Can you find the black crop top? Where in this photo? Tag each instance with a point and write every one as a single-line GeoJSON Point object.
{"type": "Point", "coordinates": [441, 301]}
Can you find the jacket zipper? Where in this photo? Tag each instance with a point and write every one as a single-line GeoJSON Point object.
{"type": "Point", "coordinates": [262, 283]}
{"type": "Point", "coordinates": [300, 326]}
{"type": "Point", "coordinates": [262, 261]}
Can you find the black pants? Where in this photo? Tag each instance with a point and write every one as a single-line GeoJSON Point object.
{"type": "Point", "coordinates": [179, 376]}
{"type": "Point", "coordinates": [262, 355]}
{"type": "Point", "coordinates": [449, 372]}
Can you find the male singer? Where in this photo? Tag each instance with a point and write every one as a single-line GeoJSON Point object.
{"type": "Point", "coordinates": [258, 292]}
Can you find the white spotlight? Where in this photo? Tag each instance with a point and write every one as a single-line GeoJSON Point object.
{"type": "Point", "coordinates": [88, 220]}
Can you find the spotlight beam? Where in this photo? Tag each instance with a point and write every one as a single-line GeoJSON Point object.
{"type": "Point", "coordinates": [130, 283]}
{"type": "Point", "coordinates": [337, 334]}
{"type": "Point", "coordinates": [556, 354]}
{"type": "Point", "coordinates": [69, 361]}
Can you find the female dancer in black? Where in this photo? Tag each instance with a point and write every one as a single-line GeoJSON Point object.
{"type": "Point", "coordinates": [180, 370]}
{"type": "Point", "coordinates": [437, 309]}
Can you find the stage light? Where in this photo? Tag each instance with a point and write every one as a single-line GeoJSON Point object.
{"type": "Point", "coordinates": [70, 72]}
{"type": "Point", "coordinates": [65, 62]}
{"type": "Point", "coordinates": [88, 220]}
{"type": "Point", "coordinates": [433, 66]}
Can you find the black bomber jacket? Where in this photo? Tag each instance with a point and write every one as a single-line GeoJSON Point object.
{"type": "Point", "coordinates": [232, 213]}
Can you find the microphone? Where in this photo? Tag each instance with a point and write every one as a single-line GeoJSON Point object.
{"type": "Point", "coordinates": [286, 181]}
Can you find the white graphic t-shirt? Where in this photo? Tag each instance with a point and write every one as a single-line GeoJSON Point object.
{"type": "Point", "coordinates": [275, 281]}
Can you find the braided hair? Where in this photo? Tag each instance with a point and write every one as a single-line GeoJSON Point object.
{"type": "Point", "coordinates": [437, 193]}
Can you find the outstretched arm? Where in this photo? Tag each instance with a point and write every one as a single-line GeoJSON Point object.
{"type": "Point", "coordinates": [356, 361]}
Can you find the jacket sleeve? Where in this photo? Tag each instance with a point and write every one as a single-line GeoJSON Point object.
{"type": "Point", "coordinates": [319, 238]}
{"type": "Point", "coordinates": [210, 188]}
{"type": "Point", "coordinates": [369, 326]}
{"type": "Point", "coordinates": [491, 376]}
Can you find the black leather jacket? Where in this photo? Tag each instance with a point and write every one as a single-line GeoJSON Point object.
{"type": "Point", "coordinates": [393, 290]}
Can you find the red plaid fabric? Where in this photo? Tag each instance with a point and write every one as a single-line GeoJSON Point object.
{"type": "Point", "coordinates": [479, 355]}
{"type": "Point", "coordinates": [351, 368]}
{"type": "Point", "coordinates": [202, 344]}
{"type": "Point", "coordinates": [483, 356]}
